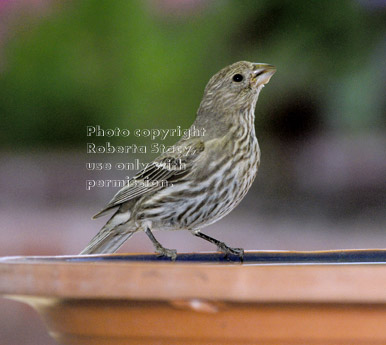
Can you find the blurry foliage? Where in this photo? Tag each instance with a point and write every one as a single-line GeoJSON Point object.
{"type": "Point", "coordinates": [126, 64]}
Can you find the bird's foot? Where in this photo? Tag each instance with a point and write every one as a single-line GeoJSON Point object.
{"type": "Point", "coordinates": [222, 247]}
{"type": "Point", "coordinates": [170, 253]}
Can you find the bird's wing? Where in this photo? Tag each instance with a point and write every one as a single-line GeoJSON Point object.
{"type": "Point", "coordinates": [163, 171]}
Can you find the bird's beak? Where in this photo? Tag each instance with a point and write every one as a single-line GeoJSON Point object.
{"type": "Point", "coordinates": [262, 73]}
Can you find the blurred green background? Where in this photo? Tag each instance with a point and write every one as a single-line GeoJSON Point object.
{"type": "Point", "coordinates": [131, 63]}
{"type": "Point", "coordinates": [65, 65]}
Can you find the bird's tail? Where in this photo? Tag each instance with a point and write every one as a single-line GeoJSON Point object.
{"type": "Point", "coordinates": [108, 239]}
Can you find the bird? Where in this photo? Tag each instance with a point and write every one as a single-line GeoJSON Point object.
{"type": "Point", "coordinates": [204, 178]}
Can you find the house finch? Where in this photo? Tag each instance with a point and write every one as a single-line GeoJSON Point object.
{"type": "Point", "coordinates": [195, 186]}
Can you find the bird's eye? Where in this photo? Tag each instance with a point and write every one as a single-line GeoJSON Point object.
{"type": "Point", "coordinates": [237, 78]}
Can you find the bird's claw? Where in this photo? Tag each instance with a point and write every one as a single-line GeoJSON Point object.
{"type": "Point", "coordinates": [170, 253]}
{"type": "Point", "coordinates": [222, 247]}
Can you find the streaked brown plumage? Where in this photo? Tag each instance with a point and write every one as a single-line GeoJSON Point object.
{"type": "Point", "coordinates": [198, 186]}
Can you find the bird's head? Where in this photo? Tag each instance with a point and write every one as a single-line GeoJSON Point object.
{"type": "Point", "coordinates": [236, 86]}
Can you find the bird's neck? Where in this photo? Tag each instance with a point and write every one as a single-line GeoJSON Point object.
{"type": "Point", "coordinates": [226, 122]}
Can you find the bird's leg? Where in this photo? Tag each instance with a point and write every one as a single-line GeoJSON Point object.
{"type": "Point", "coordinates": [170, 253]}
{"type": "Point", "coordinates": [221, 246]}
